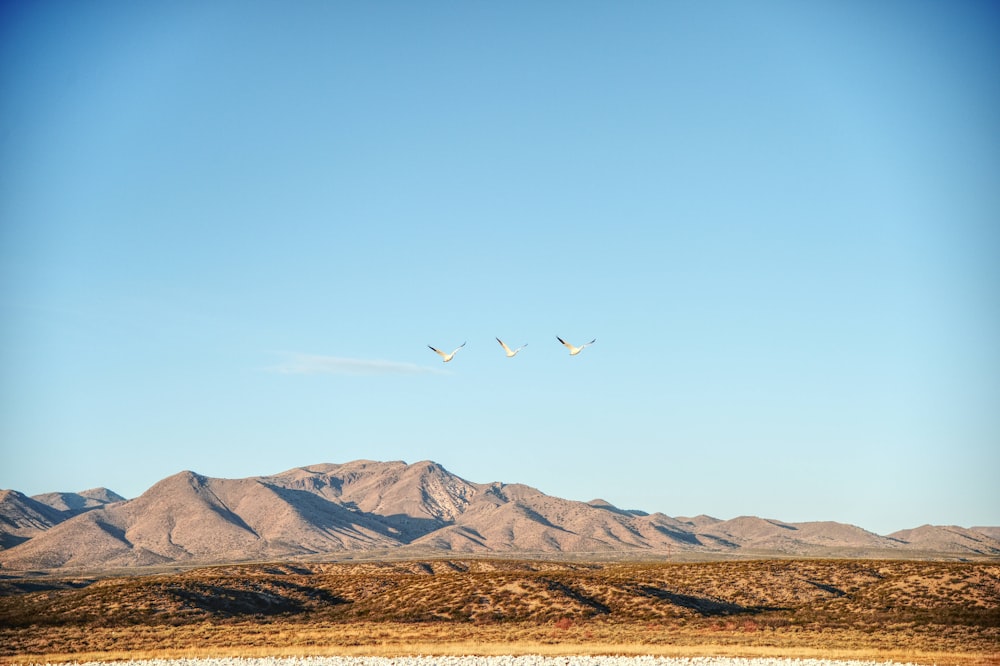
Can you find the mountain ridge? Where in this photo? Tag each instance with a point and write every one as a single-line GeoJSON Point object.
{"type": "Point", "coordinates": [364, 506]}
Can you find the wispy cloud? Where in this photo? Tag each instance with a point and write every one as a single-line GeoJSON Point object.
{"type": "Point", "coordinates": [314, 364]}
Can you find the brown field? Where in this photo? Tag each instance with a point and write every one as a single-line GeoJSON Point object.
{"type": "Point", "coordinates": [914, 611]}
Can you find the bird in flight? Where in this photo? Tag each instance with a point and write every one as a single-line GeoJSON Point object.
{"type": "Point", "coordinates": [510, 353]}
{"type": "Point", "coordinates": [446, 357]}
{"type": "Point", "coordinates": [573, 351]}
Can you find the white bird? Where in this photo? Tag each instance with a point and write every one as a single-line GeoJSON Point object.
{"type": "Point", "coordinates": [446, 357]}
{"type": "Point", "coordinates": [573, 351]}
{"type": "Point", "coordinates": [511, 354]}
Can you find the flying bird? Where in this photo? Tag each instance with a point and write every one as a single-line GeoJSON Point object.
{"type": "Point", "coordinates": [446, 357]}
{"type": "Point", "coordinates": [511, 354]}
{"type": "Point", "coordinates": [573, 351]}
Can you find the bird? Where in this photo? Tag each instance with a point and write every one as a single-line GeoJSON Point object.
{"type": "Point", "coordinates": [511, 354]}
{"type": "Point", "coordinates": [573, 351]}
{"type": "Point", "coordinates": [446, 357]}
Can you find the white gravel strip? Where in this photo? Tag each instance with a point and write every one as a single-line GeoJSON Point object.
{"type": "Point", "coordinates": [525, 660]}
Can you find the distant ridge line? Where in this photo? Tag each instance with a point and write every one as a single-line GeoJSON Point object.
{"type": "Point", "coordinates": [330, 510]}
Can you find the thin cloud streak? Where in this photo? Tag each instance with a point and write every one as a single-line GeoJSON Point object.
{"type": "Point", "coordinates": [314, 364]}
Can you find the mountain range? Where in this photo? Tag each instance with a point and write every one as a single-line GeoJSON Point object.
{"type": "Point", "coordinates": [365, 507]}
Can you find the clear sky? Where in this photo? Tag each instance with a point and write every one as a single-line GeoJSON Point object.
{"type": "Point", "coordinates": [231, 229]}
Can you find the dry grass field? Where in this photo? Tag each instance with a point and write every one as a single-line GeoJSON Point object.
{"type": "Point", "coordinates": [916, 611]}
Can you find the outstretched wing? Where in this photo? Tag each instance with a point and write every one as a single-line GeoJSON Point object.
{"type": "Point", "coordinates": [505, 347]}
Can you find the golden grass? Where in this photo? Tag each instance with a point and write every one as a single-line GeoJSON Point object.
{"type": "Point", "coordinates": [407, 642]}
{"type": "Point", "coordinates": [900, 656]}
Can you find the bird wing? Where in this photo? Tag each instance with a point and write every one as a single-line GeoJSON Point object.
{"type": "Point", "coordinates": [437, 351]}
{"type": "Point", "coordinates": [505, 347]}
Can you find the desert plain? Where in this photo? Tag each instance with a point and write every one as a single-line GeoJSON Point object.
{"type": "Point", "coordinates": [915, 611]}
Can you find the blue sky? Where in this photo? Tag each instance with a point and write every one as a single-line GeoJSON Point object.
{"type": "Point", "coordinates": [231, 229]}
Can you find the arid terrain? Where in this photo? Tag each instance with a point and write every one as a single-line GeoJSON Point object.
{"type": "Point", "coordinates": [395, 558]}
{"type": "Point", "coordinates": [930, 612]}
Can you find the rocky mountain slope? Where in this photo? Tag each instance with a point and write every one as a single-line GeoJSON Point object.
{"type": "Point", "coordinates": [393, 506]}
{"type": "Point", "coordinates": [22, 517]}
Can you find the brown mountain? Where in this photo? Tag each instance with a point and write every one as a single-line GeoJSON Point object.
{"type": "Point", "coordinates": [750, 532]}
{"type": "Point", "coordinates": [991, 532]}
{"type": "Point", "coordinates": [22, 517]}
{"type": "Point", "coordinates": [949, 538]}
{"type": "Point", "coordinates": [330, 510]}
{"type": "Point", "coordinates": [85, 500]}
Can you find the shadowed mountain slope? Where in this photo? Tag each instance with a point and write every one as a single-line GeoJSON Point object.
{"type": "Point", "coordinates": [949, 537]}
{"type": "Point", "coordinates": [338, 509]}
{"type": "Point", "coordinates": [23, 517]}
{"type": "Point", "coordinates": [991, 532]}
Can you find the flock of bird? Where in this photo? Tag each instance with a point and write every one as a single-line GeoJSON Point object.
{"type": "Point", "coordinates": [511, 353]}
